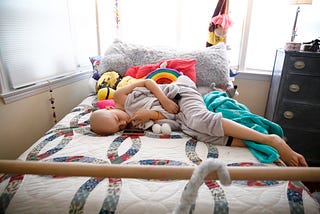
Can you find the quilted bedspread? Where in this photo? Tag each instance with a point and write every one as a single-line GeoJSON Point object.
{"type": "Point", "coordinates": [72, 141]}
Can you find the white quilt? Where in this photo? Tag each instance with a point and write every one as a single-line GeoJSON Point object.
{"type": "Point", "coordinates": [72, 141]}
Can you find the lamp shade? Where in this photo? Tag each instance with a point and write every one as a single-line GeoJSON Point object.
{"type": "Point", "coordinates": [300, 1]}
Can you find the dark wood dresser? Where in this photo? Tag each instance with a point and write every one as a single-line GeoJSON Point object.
{"type": "Point", "coordinates": [294, 101]}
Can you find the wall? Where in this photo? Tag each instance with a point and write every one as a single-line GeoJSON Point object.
{"type": "Point", "coordinates": [253, 94]}
{"type": "Point", "coordinates": [26, 120]}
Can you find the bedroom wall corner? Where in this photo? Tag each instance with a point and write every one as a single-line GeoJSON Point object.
{"type": "Point", "coordinates": [253, 94]}
{"type": "Point", "coordinates": [25, 121]}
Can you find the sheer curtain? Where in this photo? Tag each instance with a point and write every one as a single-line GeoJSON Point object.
{"type": "Point", "coordinates": [184, 24]}
{"type": "Point", "coordinates": [41, 40]}
{"type": "Point", "coordinates": [173, 23]}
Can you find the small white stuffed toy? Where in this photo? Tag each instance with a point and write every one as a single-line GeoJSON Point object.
{"type": "Point", "coordinates": [164, 129]}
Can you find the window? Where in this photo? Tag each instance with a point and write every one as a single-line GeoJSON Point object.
{"type": "Point", "coordinates": [270, 28]}
{"type": "Point", "coordinates": [260, 26]}
{"type": "Point", "coordinates": [44, 40]}
{"type": "Point", "coordinates": [53, 38]}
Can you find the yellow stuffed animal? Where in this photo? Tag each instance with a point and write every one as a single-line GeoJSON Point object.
{"type": "Point", "coordinates": [109, 82]}
{"type": "Point", "coordinates": [108, 79]}
{"type": "Point", "coordinates": [105, 93]}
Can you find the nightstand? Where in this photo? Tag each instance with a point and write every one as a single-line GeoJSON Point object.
{"type": "Point", "coordinates": [294, 101]}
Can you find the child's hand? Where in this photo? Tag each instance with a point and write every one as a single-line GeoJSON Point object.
{"type": "Point", "coordinates": [170, 106]}
{"type": "Point", "coordinates": [141, 116]}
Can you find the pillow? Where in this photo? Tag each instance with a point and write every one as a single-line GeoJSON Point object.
{"type": "Point", "coordinates": [186, 66]}
{"type": "Point", "coordinates": [141, 70]}
{"type": "Point", "coordinates": [163, 75]}
{"type": "Point", "coordinates": [95, 62]}
{"type": "Point", "coordinates": [211, 63]}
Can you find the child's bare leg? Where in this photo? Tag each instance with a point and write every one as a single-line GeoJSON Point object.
{"type": "Point", "coordinates": [239, 131]}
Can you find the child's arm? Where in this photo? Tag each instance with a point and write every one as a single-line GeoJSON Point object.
{"type": "Point", "coordinates": [121, 94]}
{"type": "Point", "coordinates": [144, 115]}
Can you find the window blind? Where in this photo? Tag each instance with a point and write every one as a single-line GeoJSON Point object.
{"type": "Point", "coordinates": [38, 39]}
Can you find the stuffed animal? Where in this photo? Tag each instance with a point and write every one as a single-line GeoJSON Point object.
{"type": "Point", "coordinates": [111, 80]}
{"type": "Point", "coordinates": [164, 129]}
{"type": "Point", "coordinates": [108, 79]}
{"type": "Point", "coordinates": [106, 92]}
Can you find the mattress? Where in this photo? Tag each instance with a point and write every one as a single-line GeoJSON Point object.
{"type": "Point", "coordinates": [71, 140]}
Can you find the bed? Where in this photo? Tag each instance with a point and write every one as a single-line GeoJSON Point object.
{"type": "Point", "coordinates": [72, 141]}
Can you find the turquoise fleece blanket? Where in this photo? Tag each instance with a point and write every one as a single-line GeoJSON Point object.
{"type": "Point", "coordinates": [217, 101]}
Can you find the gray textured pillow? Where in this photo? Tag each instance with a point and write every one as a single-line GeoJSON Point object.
{"type": "Point", "coordinates": [211, 66]}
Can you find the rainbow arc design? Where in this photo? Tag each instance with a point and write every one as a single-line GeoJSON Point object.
{"type": "Point", "coordinates": [164, 75]}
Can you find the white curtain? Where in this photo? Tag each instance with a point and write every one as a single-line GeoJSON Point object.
{"type": "Point", "coordinates": [41, 40]}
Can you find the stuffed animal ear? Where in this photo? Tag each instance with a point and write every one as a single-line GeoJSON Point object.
{"type": "Point", "coordinates": [105, 93]}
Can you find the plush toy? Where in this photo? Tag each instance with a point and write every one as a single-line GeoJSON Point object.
{"type": "Point", "coordinates": [127, 80]}
{"type": "Point", "coordinates": [111, 80]}
{"type": "Point", "coordinates": [164, 129]}
{"type": "Point", "coordinates": [105, 93]}
{"type": "Point", "coordinates": [108, 79]}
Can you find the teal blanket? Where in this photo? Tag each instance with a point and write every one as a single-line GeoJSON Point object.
{"type": "Point", "coordinates": [217, 101]}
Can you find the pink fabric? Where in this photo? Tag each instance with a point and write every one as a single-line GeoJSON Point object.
{"type": "Point", "coordinates": [223, 20]}
{"type": "Point", "coordinates": [185, 66]}
{"type": "Point", "coordinates": [109, 104]}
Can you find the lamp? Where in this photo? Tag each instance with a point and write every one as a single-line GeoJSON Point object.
{"type": "Point", "coordinates": [297, 2]}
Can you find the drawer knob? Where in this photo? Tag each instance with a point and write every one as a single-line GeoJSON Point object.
{"type": "Point", "coordinates": [288, 114]}
{"type": "Point", "coordinates": [294, 88]}
{"type": "Point", "coordinates": [299, 64]}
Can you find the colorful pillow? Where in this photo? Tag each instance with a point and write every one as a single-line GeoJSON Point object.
{"type": "Point", "coordinates": [163, 75]}
{"type": "Point", "coordinates": [185, 66]}
{"type": "Point", "coordinates": [95, 62]}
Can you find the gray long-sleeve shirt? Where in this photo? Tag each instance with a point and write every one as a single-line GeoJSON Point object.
{"type": "Point", "coordinates": [193, 119]}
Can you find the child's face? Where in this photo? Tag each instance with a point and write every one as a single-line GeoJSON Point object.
{"type": "Point", "coordinates": [111, 121]}
{"type": "Point", "coordinates": [118, 120]}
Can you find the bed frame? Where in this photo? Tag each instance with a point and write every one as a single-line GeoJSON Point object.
{"type": "Point", "coordinates": [155, 172]}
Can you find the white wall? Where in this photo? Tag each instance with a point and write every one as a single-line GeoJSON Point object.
{"type": "Point", "coordinates": [253, 94]}
{"type": "Point", "coordinates": [26, 120]}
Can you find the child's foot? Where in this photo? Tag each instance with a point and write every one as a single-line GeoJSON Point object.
{"type": "Point", "coordinates": [290, 157]}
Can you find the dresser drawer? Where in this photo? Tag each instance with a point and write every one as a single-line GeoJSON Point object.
{"type": "Point", "coordinates": [305, 143]}
{"type": "Point", "coordinates": [301, 88]}
{"type": "Point", "coordinates": [303, 65]}
{"type": "Point", "coordinates": [298, 116]}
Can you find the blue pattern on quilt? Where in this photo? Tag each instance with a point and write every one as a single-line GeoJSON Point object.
{"type": "Point", "coordinates": [74, 122]}
{"type": "Point", "coordinates": [110, 203]}
{"type": "Point", "coordinates": [219, 196]}
{"type": "Point", "coordinates": [112, 151]}
{"type": "Point", "coordinates": [10, 190]}
{"type": "Point", "coordinates": [294, 194]}
{"type": "Point", "coordinates": [79, 199]}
